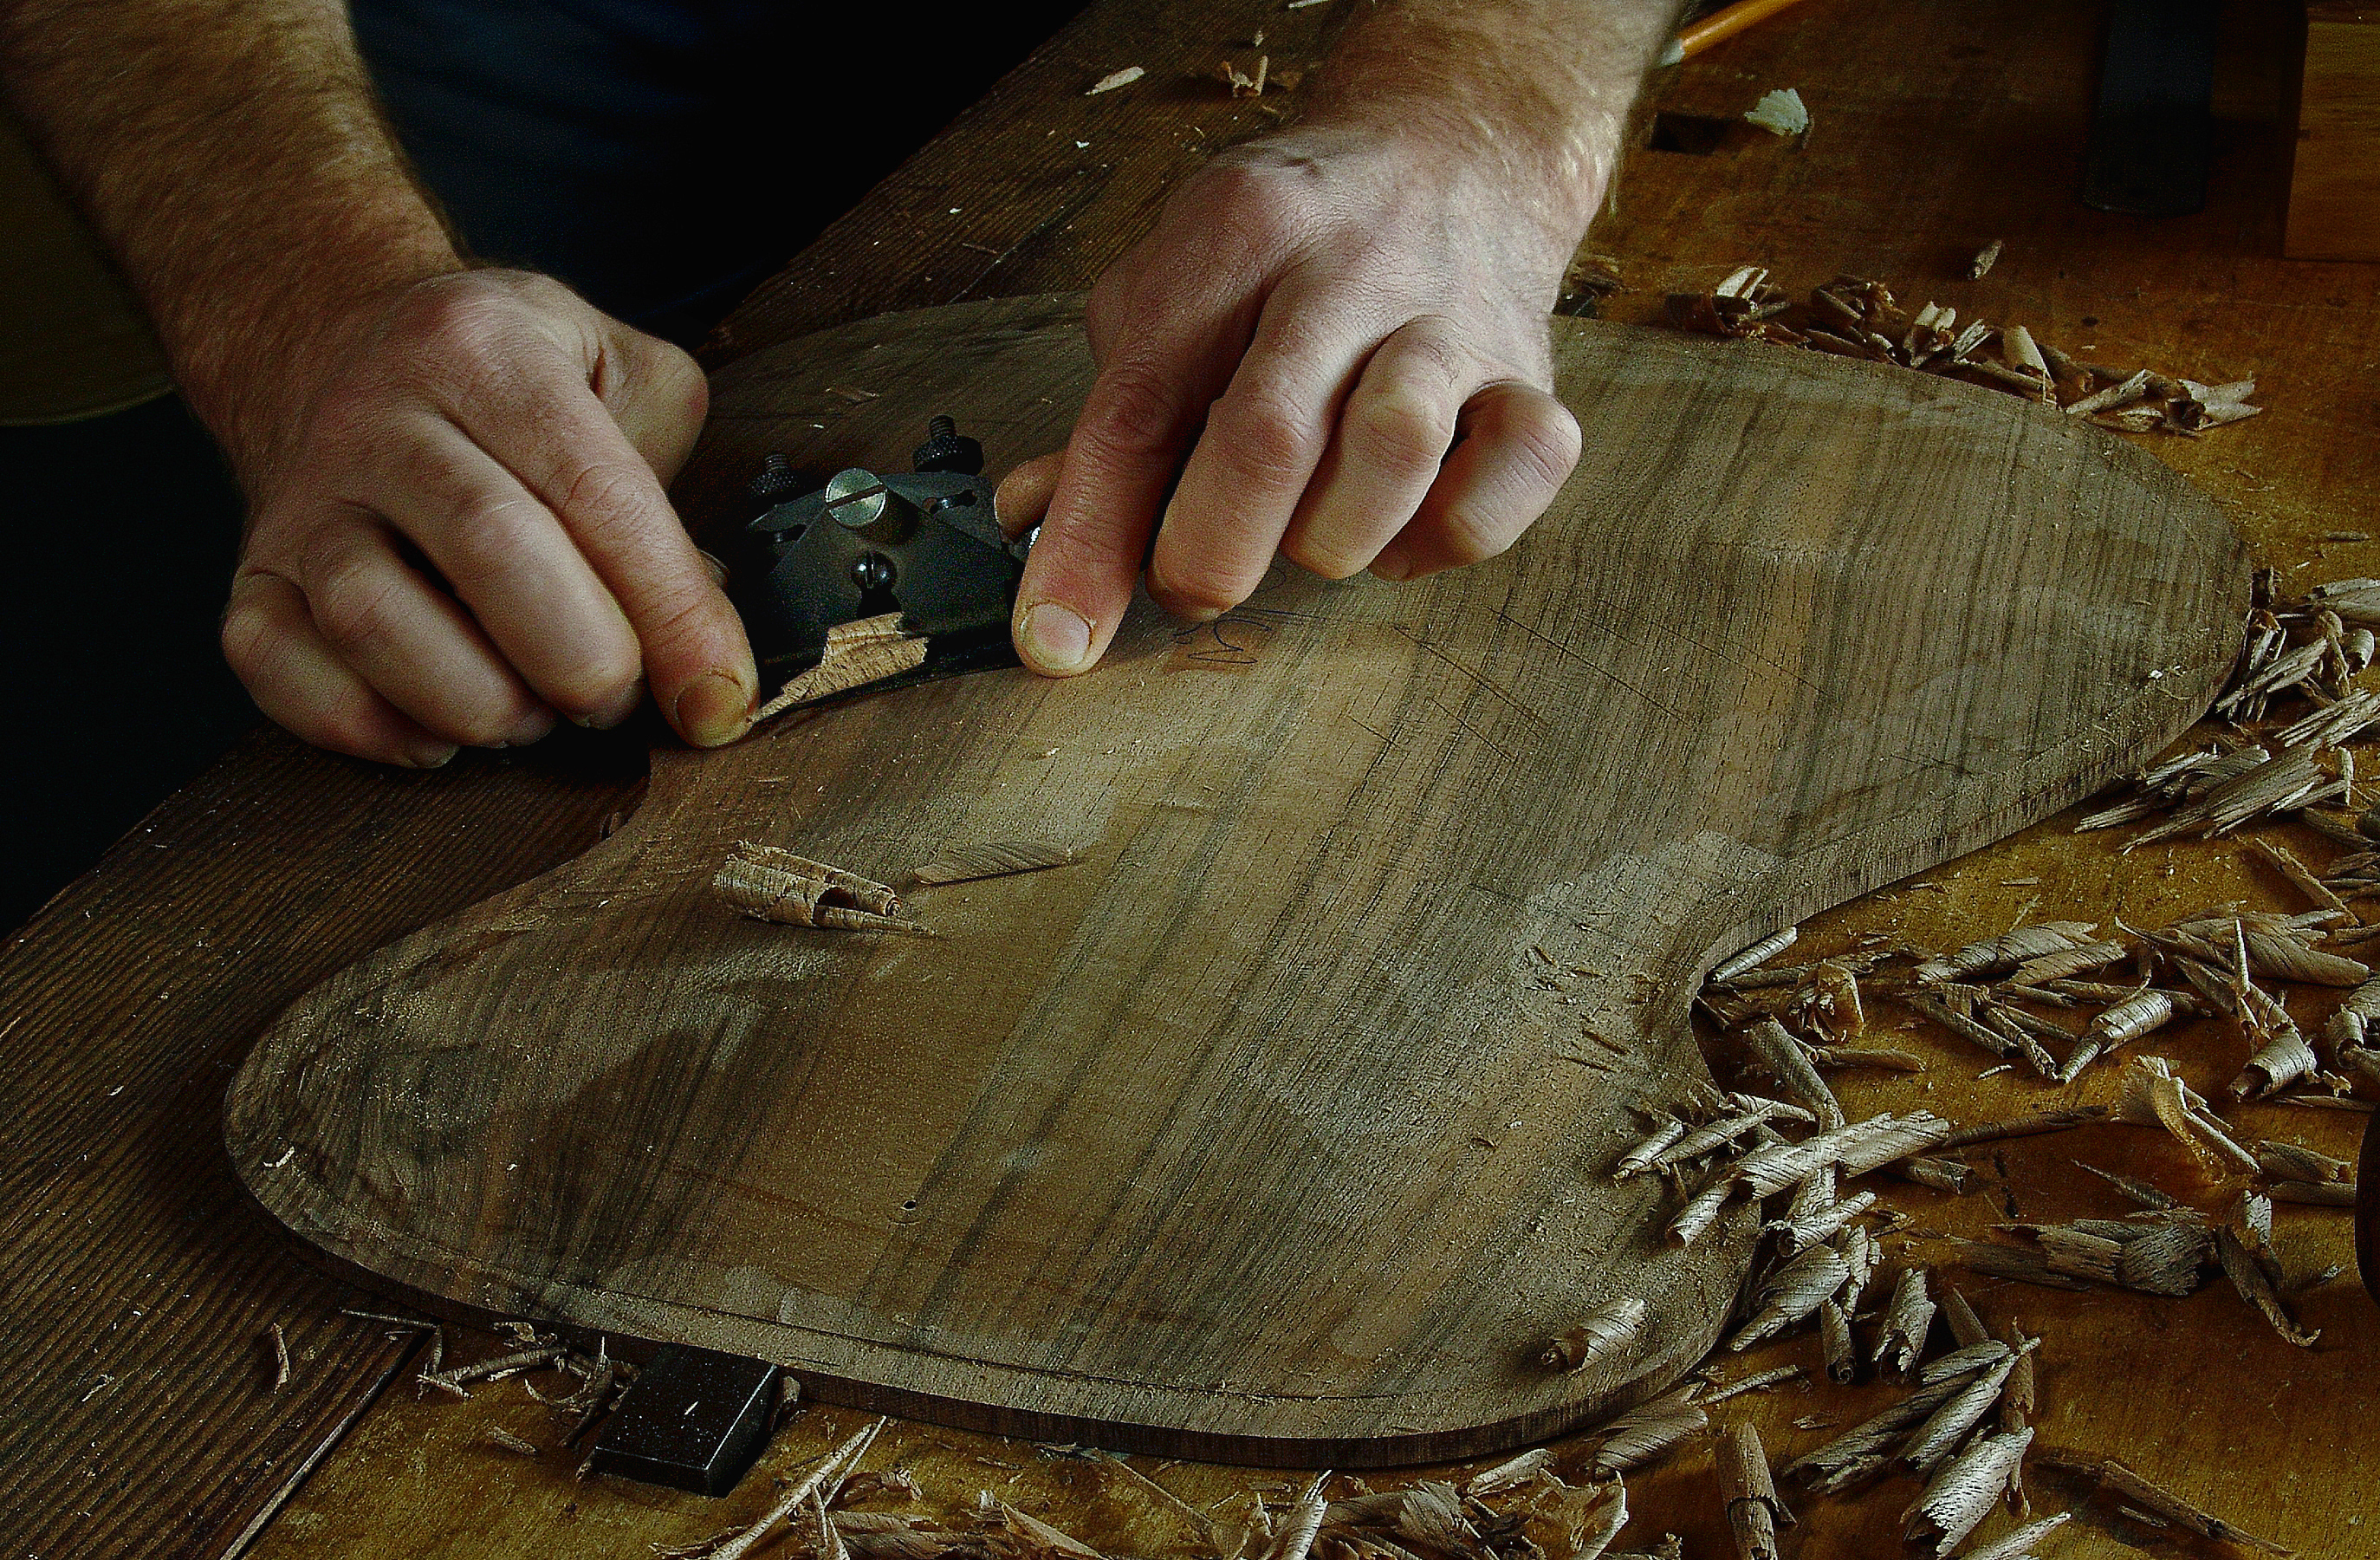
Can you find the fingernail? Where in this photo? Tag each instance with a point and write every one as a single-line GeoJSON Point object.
{"type": "Point", "coordinates": [614, 714]}
{"type": "Point", "coordinates": [713, 710]}
{"type": "Point", "coordinates": [533, 727]}
{"type": "Point", "coordinates": [1055, 639]}
{"type": "Point", "coordinates": [1394, 563]}
{"type": "Point", "coordinates": [431, 754]}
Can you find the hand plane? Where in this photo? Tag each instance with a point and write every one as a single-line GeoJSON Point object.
{"type": "Point", "coordinates": [923, 544]}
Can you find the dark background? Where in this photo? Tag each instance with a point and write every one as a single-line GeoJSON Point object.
{"type": "Point", "coordinates": [663, 198]}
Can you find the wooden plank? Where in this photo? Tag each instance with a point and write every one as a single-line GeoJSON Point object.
{"type": "Point", "coordinates": [137, 1281]}
{"type": "Point", "coordinates": [88, 1478]}
{"type": "Point", "coordinates": [1942, 124]}
{"type": "Point", "coordinates": [1306, 1078]}
{"type": "Point", "coordinates": [2335, 180]}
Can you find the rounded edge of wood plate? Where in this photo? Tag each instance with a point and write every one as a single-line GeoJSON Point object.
{"type": "Point", "coordinates": [2139, 723]}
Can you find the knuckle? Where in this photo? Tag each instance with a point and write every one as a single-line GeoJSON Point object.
{"type": "Point", "coordinates": [597, 678]}
{"type": "Point", "coordinates": [1262, 433]}
{"type": "Point", "coordinates": [483, 539]}
{"type": "Point", "coordinates": [355, 608]}
{"type": "Point", "coordinates": [460, 315]}
{"type": "Point", "coordinates": [1544, 446]}
{"type": "Point", "coordinates": [248, 641]}
{"type": "Point", "coordinates": [1402, 433]}
{"type": "Point", "coordinates": [1138, 413]}
{"type": "Point", "coordinates": [1258, 208]}
{"type": "Point", "coordinates": [608, 488]}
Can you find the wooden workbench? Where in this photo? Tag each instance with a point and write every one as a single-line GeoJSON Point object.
{"type": "Point", "coordinates": [136, 1284]}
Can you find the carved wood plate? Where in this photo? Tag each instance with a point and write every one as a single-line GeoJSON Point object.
{"type": "Point", "coordinates": [1279, 1128]}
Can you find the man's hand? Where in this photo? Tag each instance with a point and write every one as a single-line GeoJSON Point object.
{"type": "Point", "coordinates": [463, 531]}
{"type": "Point", "coordinates": [455, 477]}
{"type": "Point", "coordinates": [1338, 336]}
{"type": "Point", "coordinates": [1352, 331]}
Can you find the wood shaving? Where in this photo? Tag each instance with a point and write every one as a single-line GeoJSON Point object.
{"type": "Point", "coordinates": [856, 654]}
{"type": "Point", "coordinates": [2021, 1543]}
{"type": "Point", "coordinates": [1746, 959]}
{"type": "Point", "coordinates": [1001, 859]}
{"type": "Point", "coordinates": [771, 884]}
{"type": "Point", "coordinates": [1602, 1331]}
{"type": "Point", "coordinates": [1648, 1433]}
{"type": "Point", "coordinates": [1747, 1493]}
{"type": "Point", "coordinates": [833, 1466]}
{"type": "Point", "coordinates": [1965, 1492]}
{"type": "Point", "coordinates": [2121, 1481]}
{"type": "Point", "coordinates": [1115, 78]}
{"type": "Point", "coordinates": [1906, 1318]}
{"type": "Point", "coordinates": [1759, 1380]}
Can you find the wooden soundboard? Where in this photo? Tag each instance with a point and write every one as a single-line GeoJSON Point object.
{"type": "Point", "coordinates": [1277, 1127]}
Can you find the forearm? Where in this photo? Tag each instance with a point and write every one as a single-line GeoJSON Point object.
{"type": "Point", "coordinates": [230, 153]}
{"type": "Point", "coordinates": [1533, 92]}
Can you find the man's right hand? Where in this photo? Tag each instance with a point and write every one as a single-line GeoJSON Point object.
{"type": "Point", "coordinates": [458, 530]}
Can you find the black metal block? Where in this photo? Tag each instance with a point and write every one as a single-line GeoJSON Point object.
{"type": "Point", "coordinates": [692, 1420]}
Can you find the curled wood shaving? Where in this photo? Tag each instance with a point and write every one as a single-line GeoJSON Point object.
{"type": "Point", "coordinates": [2154, 1096]}
{"type": "Point", "coordinates": [1640, 1157]}
{"type": "Point", "coordinates": [1808, 1229]}
{"type": "Point", "coordinates": [1788, 1061]}
{"type": "Point", "coordinates": [1746, 959]}
{"type": "Point", "coordinates": [856, 654]}
{"type": "Point", "coordinates": [1748, 1495]}
{"type": "Point", "coordinates": [491, 1370]}
{"type": "Point", "coordinates": [1865, 1451]}
{"type": "Point", "coordinates": [2023, 1126]}
{"type": "Point", "coordinates": [1906, 1318]}
{"type": "Point", "coordinates": [1648, 1433]}
{"type": "Point", "coordinates": [280, 1344]}
{"type": "Point", "coordinates": [2255, 1287]}
{"type": "Point", "coordinates": [1759, 1380]}
{"type": "Point", "coordinates": [1999, 955]}
{"type": "Point", "coordinates": [1602, 1331]}
{"type": "Point", "coordinates": [1508, 1474]}
{"type": "Point", "coordinates": [2017, 1401]}
{"type": "Point", "coordinates": [2020, 1543]}
{"type": "Point", "coordinates": [1835, 1344]}
{"type": "Point", "coordinates": [1933, 1441]}
{"type": "Point", "coordinates": [1040, 1539]}
{"type": "Point", "coordinates": [1964, 1493]}
{"type": "Point", "coordinates": [771, 884]}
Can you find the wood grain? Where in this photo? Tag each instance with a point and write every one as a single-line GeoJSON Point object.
{"type": "Point", "coordinates": [1277, 1129]}
{"type": "Point", "coordinates": [137, 1280]}
{"type": "Point", "coordinates": [1941, 123]}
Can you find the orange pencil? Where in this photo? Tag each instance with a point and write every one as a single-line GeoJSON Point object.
{"type": "Point", "coordinates": [1701, 33]}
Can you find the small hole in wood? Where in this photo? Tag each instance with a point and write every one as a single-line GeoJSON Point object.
{"type": "Point", "coordinates": [1696, 135]}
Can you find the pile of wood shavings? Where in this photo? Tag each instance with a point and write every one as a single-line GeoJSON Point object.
{"type": "Point", "coordinates": [1855, 317]}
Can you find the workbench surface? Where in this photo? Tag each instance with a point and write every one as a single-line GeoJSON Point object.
{"type": "Point", "coordinates": [136, 1284]}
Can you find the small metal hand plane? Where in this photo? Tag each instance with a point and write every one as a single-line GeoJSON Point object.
{"type": "Point", "coordinates": [923, 544]}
